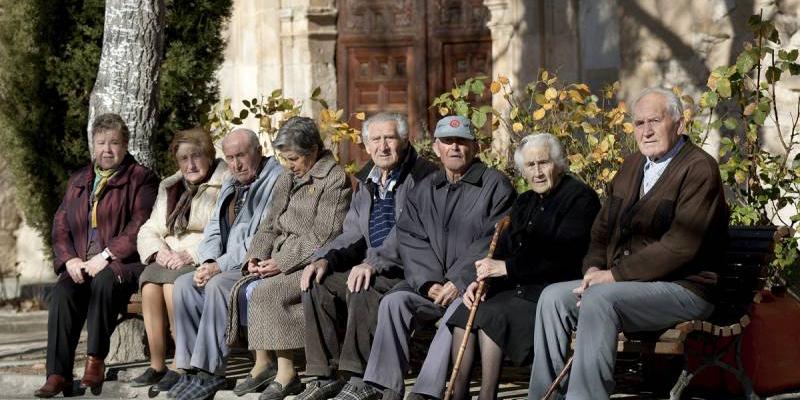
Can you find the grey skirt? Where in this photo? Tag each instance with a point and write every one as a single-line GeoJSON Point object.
{"type": "Point", "coordinates": [155, 273]}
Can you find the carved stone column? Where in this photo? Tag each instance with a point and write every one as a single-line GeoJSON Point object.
{"type": "Point", "coordinates": [308, 45]}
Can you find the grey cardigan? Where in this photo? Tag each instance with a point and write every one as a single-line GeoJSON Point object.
{"type": "Point", "coordinates": [229, 255]}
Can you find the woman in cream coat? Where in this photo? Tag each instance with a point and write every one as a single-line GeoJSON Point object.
{"type": "Point", "coordinates": [168, 241]}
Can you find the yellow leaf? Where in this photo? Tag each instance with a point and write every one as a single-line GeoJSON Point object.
{"type": "Point", "coordinates": [361, 116]}
{"type": "Point", "coordinates": [627, 127]}
{"type": "Point", "coordinates": [712, 82]}
{"type": "Point", "coordinates": [583, 87]}
{"type": "Point", "coordinates": [687, 114]}
{"type": "Point", "coordinates": [443, 111]}
{"type": "Point", "coordinates": [750, 109]}
{"type": "Point", "coordinates": [338, 115]}
{"type": "Point", "coordinates": [539, 114]}
{"type": "Point", "coordinates": [517, 127]}
{"type": "Point", "coordinates": [604, 145]}
{"type": "Point", "coordinates": [576, 97]}
{"type": "Point", "coordinates": [545, 75]}
{"type": "Point", "coordinates": [550, 93]}
{"type": "Point", "coordinates": [502, 79]}
{"type": "Point", "coordinates": [548, 106]}
{"type": "Point", "coordinates": [562, 96]}
{"type": "Point", "coordinates": [494, 87]}
{"type": "Point", "coordinates": [589, 129]}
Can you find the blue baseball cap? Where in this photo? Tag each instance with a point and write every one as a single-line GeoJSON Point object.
{"type": "Point", "coordinates": [454, 126]}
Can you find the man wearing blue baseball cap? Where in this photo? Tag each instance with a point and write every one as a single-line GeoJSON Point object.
{"type": "Point", "coordinates": [446, 226]}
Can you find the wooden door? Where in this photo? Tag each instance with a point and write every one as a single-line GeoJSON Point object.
{"type": "Point", "coordinates": [396, 55]}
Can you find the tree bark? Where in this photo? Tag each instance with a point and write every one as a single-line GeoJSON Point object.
{"type": "Point", "coordinates": [127, 78]}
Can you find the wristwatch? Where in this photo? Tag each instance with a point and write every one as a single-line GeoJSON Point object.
{"type": "Point", "coordinates": [106, 255]}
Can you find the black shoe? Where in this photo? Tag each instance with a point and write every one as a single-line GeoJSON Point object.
{"type": "Point", "coordinates": [252, 384]}
{"type": "Point", "coordinates": [321, 390]}
{"type": "Point", "coordinates": [148, 377]}
{"type": "Point", "coordinates": [276, 391]}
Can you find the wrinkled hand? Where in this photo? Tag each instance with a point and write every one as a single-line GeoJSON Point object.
{"type": "Point", "coordinates": [315, 269]}
{"type": "Point", "coordinates": [268, 268]}
{"type": "Point", "coordinates": [205, 272]}
{"type": "Point", "coordinates": [360, 277]}
{"type": "Point", "coordinates": [490, 268]}
{"type": "Point", "coordinates": [593, 276]}
{"type": "Point", "coordinates": [252, 266]}
{"type": "Point", "coordinates": [163, 256]}
{"type": "Point", "coordinates": [75, 268]}
{"type": "Point", "coordinates": [179, 259]}
{"type": "Point", "coordinates": [446, 296]}
{"type": "Point", "coordinates": [470, 293]}
{"type": "Point", "coordinates": [434, 290]}
{"type": "Point", "coordinates": [95, 265]}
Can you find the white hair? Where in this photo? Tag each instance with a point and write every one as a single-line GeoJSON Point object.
{"type": "Point", "coordinates": [538, 139]}
{"type": "Point", "coordinates": [401, 124]}
{"type": "Point", "coordinates": [674, 104]}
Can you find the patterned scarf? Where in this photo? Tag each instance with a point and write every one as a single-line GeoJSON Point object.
{"type": "Point", "coordinates": [178, 219]}
{"type": "Point", "coordinates": [101, 181]}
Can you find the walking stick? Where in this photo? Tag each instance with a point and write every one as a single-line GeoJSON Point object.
{"type": "Point", "coordinates": [499, 227]}
{"type": "Point", "coordinates": [561, 375]}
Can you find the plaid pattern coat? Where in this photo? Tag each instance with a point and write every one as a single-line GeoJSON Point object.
{"type": "Point", "coordinates": [303, 216]}
{"type": "Point", "coordinates": [125, 205]}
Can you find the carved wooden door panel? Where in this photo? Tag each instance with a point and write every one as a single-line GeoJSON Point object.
{"type": "Point", "coordinates": [396, 55]}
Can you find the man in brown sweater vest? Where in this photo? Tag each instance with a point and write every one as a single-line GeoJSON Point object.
{"type": "Point", "coordinates": [654, 249]}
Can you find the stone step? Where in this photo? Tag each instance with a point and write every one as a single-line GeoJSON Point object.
{"type": "Point", "coordinates": [15, 323]}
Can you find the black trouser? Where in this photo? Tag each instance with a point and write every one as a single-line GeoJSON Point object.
{"type": "Point", "coordinates": [323, 305]}
{"type": "Point", "coordinates": [101, 299]}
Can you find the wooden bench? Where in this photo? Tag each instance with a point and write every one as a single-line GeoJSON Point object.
{"type": "Point", "coordinates": [749, 252]}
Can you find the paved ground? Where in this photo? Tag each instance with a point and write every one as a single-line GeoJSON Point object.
{"type": "Point", "coordinates": [23, 343]}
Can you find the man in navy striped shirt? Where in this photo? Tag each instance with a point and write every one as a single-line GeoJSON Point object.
{"type": "Point", "coordinates": [357, 268]}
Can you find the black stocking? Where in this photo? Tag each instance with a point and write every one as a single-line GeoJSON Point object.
{"type": "Point", "coordinates": [491, 363]}
{"type": "Point", "coordinates": [461, 385]}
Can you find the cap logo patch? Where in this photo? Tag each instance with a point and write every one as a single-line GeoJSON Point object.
{"type": "Point", "coordinates": [455, 123]}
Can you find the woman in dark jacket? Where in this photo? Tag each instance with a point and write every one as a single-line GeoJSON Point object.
{"type": "Point", "coordinates": [94, 246]}
{"type": "Point", "coordinates": [545, 243]}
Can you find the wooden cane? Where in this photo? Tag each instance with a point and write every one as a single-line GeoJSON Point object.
{"type": "Point", "coordinates": [499, 227]}
{"type": "Point", "coordinates": [561, 375]}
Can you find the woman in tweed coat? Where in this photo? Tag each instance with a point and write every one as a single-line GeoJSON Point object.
{"type": "Point", "coordinates": [167, 242]}
{"type": "Point", "coordinates": [308, 208]}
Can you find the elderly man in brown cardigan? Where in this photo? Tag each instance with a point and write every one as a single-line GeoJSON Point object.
{"type": "Point", "coordinates": [654, 247]}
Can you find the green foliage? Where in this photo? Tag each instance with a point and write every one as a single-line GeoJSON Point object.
{"type": "Point", "coordinates": [49, 55]}
{"type": "Point", "coordinates": [592, 128]}
{"type": "Point", "coordinates": [194, 51]}
{"type": "Point", "coordinates": [739, 101]}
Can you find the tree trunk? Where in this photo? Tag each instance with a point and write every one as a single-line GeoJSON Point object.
{"type": "Point", "coordinates": [127, 79]}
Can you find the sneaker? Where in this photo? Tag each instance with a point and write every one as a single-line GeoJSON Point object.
{"type": "Point", "coordinates": [148, 378]}
{"type": "Point", "coordinates": [358, 392]}
{"type": "Point", "coordinates": [203, 388]}
{"type": "Point", "coordinates": [321, 389]}
{"type": "Point", "coordinates": [276, 391]}
{"type": "Point", "coordinates": [252, 384]}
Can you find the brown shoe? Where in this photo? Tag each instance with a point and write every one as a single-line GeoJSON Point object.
{"type": "Point", "coordinates": [54, 385]}
{"type": "Point", "coordinates": [93, 374]}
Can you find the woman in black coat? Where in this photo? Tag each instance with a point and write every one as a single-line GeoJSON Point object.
{"type": "Point", "coordinates": [545, 243]}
